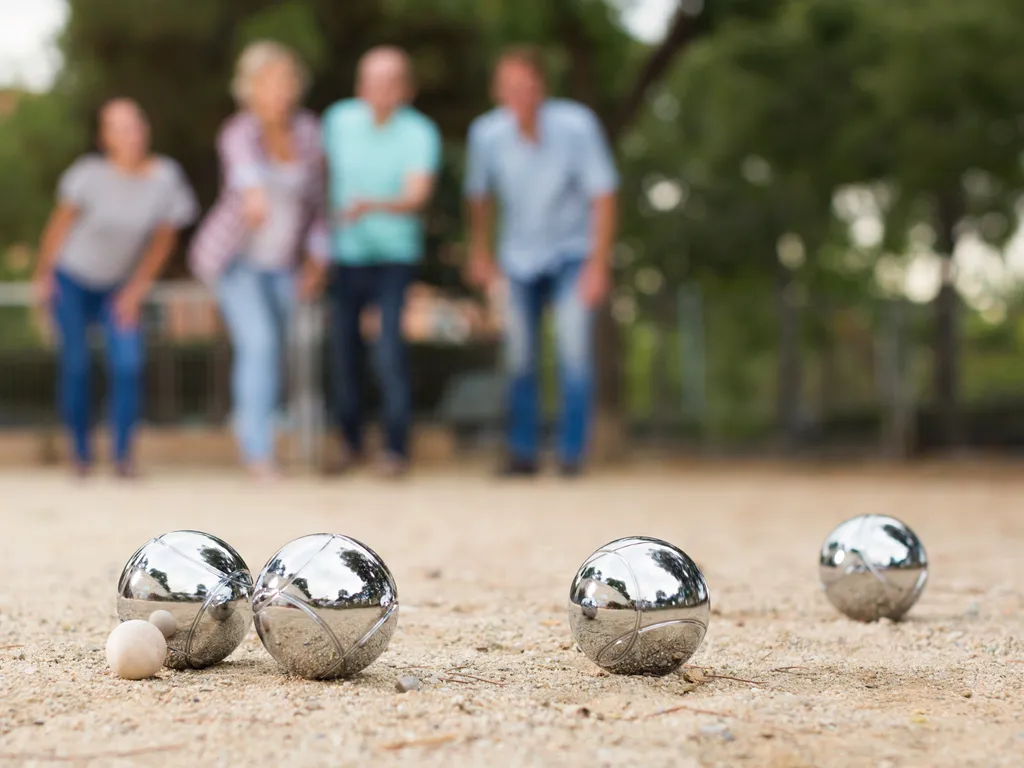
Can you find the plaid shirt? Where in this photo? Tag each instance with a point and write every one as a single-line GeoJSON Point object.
{"type": "Point", "coordinates": [224, 231]}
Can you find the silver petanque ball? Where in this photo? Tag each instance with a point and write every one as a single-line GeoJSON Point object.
{"type": "Point", "coordinates": [325, 606]}
{"type": "Point", "coordinates": [202, 582]}
{"type": "Point", "coordinates": [639, 606]}
{"type": "Point", "coordinates": [873, 567]}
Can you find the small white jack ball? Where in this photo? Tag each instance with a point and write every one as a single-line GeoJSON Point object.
{"type": "Point", "coordinates": [165, 622]}
{"type": "Point", "coordinates": [136, 650]}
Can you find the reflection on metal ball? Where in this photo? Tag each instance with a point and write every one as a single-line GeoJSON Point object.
{"type": "Point", "coordinates": [639, 606]}
{"type": "Point", "coordinates": [325, 606]}
{"type": "Point", "coordinates": [202, 582]}
{"type": "Point", "coordinates": [873, 567]}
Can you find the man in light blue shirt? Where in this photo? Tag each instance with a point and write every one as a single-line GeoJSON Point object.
{"type": "Point", "coordinates": [548, 165]}
{"type": "Point", "coordinates": [382, 159]}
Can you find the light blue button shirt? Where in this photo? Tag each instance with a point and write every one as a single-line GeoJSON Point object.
{"type": "Point", "coordinates": [367, 161]}
{"type": "Point", "coordinates": [545, 188]}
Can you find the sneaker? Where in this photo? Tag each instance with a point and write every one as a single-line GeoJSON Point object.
{"type": "Point", "coordinates": [392, 466]}
{"type": "Point", "coordinates": [518, 468]}
{"type": "Point", "coordinates": [570, 469]}
{"type": "Point", "coordinates": [264, 472]}
{"type": "Point", "coordinates": [125, 470]}
{"type": "Point", "coordinates": [344, 462]}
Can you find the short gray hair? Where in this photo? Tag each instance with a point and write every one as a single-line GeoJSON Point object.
{"type": "Point", "coordinates": [258, 55]}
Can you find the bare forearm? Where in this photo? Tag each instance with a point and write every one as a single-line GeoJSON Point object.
{"type": "Point", "coordinates": [53, 238]}
{"type": "Point", "coordinates": [605, 225]}
{"type": "Point", "coordinates": [161, 246]}
{"type": "Point", "coordinates": [481, 223]}
{"type": "Point", "coordinates": [414, 197]}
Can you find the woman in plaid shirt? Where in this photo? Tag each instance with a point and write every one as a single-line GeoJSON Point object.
{"type": "Point", "coordinates": [268, 217]}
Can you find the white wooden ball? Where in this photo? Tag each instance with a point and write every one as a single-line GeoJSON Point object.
{"type": "Point", "coordinates": [165, 622]}
{"type": "Point", "coordinates": [136, 650]}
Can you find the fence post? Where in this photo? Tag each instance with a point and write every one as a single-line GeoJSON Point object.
{"type": "Point", "coordinates": [692, 362]}
{"type": "Point", "coordinates": [307, 405]}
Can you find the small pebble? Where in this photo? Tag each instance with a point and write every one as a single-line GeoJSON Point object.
{"type": "Point", "coordinates": [407, 683]}
{"type": "Point", "coordinates": [164, 621]}
{"type": "Point", "coordinates": [136, 650]}
{"type": "Point", "coordinates": [967, 694]}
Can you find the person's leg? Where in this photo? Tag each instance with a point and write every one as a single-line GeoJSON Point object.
{"type": "Point", "coordinates": [346, 293]}
{"type": "Point", "coordinates": [281, 288]}
{"type": "Point", "coordinates": [125, 357]}
{"type": "Point", "coordinates": [390, 284]}
{"type": "Point", "coordinates": [73, 310]}
{"type": "Point", "coordinates": [525, 306]}
{"type": "Point", "coordinates": [249, 315]}
{"type": "Point", "coordinates": [574, 336]}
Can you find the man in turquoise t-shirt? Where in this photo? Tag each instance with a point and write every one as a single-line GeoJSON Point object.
{"type": "Point", "coordinates": [382, 158]}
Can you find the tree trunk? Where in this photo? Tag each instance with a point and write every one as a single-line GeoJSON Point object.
{"type": "Point", "coordinates": [790, 379]}
{"type": "Point", "coordinates": [946, 343]}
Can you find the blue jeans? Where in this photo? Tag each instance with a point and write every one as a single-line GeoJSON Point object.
{"type": "Point", "coordinates": [76, 308]}
{"type": "Point", "coordinates": [573, 336]}
{"type": "Point", "coordinates": [257, 306]}
{"type": "Point", "coordinates": [351, 289]}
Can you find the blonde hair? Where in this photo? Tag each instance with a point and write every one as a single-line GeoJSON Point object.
{"type": "Point", "coordinates": [258, 55]}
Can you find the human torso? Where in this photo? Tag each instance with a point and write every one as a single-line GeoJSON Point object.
{"type": "Point", "coordinates": [117, 216]}
{"type": "Point", "coordinates": [367, 161]}
{"type": "Point", "coordinates": [545, 210]}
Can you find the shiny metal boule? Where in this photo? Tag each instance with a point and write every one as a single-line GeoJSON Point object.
{"type": "Point", "coordinates": [325, 606]}
{"type": "Point", "coordinates": [873, 567]}
{"type": "Point", "coordinates": [202, 582]}
{"type": "Point", "coordinates": [639, 606]}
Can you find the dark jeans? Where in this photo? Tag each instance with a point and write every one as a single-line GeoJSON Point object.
{"type": "Point", "coordinates": [351, 290]}
{"type": "Point", "coordinates": [76, 309]}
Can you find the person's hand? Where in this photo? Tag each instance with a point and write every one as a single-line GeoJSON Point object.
{"type": "Point", "coordinates": [481, 271]}
{"type": "Point", "coordinates": [357, 210]}
{"type": "Point", "coordinates": [44, 287]}
{"type": "Point", "coordinates": [128, 306]}
{"type": "Point", "coordinates": [595, 282]}
{"type": "Point", "coordinates": [312, 279]}
{"type": "Point", "coordinates": [255, 207]}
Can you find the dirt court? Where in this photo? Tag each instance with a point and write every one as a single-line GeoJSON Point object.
{"type": "Point", "coordinates": [483, 571]}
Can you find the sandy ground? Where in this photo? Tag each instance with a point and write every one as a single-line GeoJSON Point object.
{"type": "Point", "coordinates": [483, 571]}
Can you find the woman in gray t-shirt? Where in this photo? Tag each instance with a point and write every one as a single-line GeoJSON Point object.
{"type": "Point", "coordinates": [115, 224]}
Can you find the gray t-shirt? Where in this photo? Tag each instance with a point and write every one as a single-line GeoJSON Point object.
{"type": "Point", "coordinates": [117, 215]}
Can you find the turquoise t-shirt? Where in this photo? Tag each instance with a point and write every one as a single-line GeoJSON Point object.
{"type": "Point", "coordinates": [367, 161]}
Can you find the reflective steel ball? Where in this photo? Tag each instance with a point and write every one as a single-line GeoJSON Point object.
{"type": "Point", "coordinates": [202, 582]}
{"type": "Point", "coordinates": [639, 606]}
{"type": "Point", "coordinates": [325, 606]}
{"type": "Point", "coordinates": [873, 567]}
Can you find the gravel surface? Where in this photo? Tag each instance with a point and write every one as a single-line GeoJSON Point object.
{"type": "Point", "coordinates": [483, 571]}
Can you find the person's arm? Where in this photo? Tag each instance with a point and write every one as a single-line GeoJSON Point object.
{"type": "Point", "coordinates": [55, 233]}
{"type": "Point", "coordinates": [600, 181]}
{"type": "Point", "coordinates": [242, 159]}
{"type": "Point", "coordinates": [181, 210]}
{"type": "Point", "coordinates": [480, 201]}
{"type": "Point", "coordinates": [72, 194]}
{"type": "Point", "coordinates": [317, 244]}
{"type": "Point", "coordinates": [424, 159]}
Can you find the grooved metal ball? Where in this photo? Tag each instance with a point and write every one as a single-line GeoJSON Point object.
{"type": "Point", "coordinates": [639, 606]}
{"type": "Point", "coordinates": [873, 567]}
{"type": "Point", "coordinates": [202, 582]}
{"type": "Point", "coordinates": [325, 606]}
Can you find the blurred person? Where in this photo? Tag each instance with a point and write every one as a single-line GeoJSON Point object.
{"type": "Point", "coordinates": [382, 156]}
{"type": "Point", "coordinates": [249, 247]}
{"type": "Point", "coordinates": [115, 225]}
{"type": "Point", "coordinates": [547, 162]}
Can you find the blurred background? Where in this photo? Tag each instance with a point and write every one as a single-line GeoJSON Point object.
{"type": "Point", "coordinates": [820, 255]}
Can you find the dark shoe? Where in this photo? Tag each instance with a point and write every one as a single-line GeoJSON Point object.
{"type": "Point", "coordinates": [518, 468]}
{"type": "Point", "coordinates": [345, 462]}
{"type": "Point", "coordinates": [125, 470]}
{"type": "Point", "coordinates": [391, 466]}
{"type": "Point", "coordinates": [81, 469]}
{"type": "Point", "coordinates": [570, 469]}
